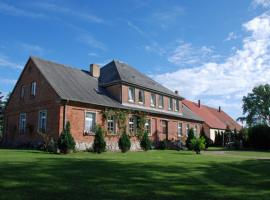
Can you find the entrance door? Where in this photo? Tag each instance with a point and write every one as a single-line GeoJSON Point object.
{"type": "Point", "coordinates": [164, 126]}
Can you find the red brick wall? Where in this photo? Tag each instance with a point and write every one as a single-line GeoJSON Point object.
{"type": "Point", "coordinates": [45, 99]}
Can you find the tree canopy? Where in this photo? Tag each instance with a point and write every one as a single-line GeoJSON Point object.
{"type": "Point", "coordinates": [256, 105]}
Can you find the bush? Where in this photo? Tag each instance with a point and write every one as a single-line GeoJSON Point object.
{"type": "Point", "coordinates": [145, 142]}
{"type": "Point", "coordinates": [99, 145]}
{"type": "Point", "coordinates": [163, 144]}
{"type": "Point", "coordinates": [198, 144]}
{"type": "Point", "coordinates": [66, 142]}
{"type": "Point", "coordinates": [259, 137]}
{"type": "Point", "coordinates": [124, 142]}
{"type": "Point", "coordinates": [208, 141]}
{"type": "Point", "coordinates": [52, 146]}
{"type": "Point", "coordinates": [190, 137]}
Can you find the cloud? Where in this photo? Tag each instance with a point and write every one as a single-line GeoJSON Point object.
{"type": "Point", "coordinates": [92, 42]}
{"type": "Point", "coordinates": [92, 54]}
{"type": "Point", "coordinates": [234, 77]}
{"type": "Point", "coordinates": [5, 62]}
{"type": "Point", "coordinates": [231, 36]}
{"type": "Point", "coordinates": [16, 11]}
{"type": "Point", "coordinates": [136, 28]}
{"type": "Point", "coordinates": [32, 48]}
{"type": "Point", "coordinates": [263, 3]}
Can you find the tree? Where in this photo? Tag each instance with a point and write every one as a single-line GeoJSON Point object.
{"type": "Point", "coordinates": [256, 106]}
{"type": "Point", "coordinates": [124, 142]}
{"type": "Point", "coordinates": [99, 142]}
{"type": "Point", "coordinates": [207, 140]}
{"type": "Point", "coordinates": [198, 144]}
{"type": "Point", "coordinates": [190, 137]}
{"type": "Point", "coordinates": [145, 142]}
{"type": "Point", "coordinates": [2, 107]}
{"type": "Point", "coordinates": [66, 142]}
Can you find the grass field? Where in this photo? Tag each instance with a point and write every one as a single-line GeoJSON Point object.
{"type": "Point", "coordinates": [28, 174]}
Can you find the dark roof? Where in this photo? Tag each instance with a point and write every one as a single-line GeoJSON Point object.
{"type": "Point", "coordinates": [77, 85]}
{"type": "Point", "coordinates": [115, 72]}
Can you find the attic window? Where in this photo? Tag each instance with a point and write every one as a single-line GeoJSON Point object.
{"type": "Point", "coordinates": [131, 94]}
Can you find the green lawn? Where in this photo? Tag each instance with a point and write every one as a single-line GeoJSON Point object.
{"type": "Point", "coordinates": [27, 174]}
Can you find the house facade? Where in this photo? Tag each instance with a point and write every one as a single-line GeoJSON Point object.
{"type": "Point", "coordinates": [215, 120]}
{"type": "Point", "coordinates": [47, 95]}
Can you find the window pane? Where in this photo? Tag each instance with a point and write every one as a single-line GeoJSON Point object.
{"type": "Point", "coordinates": [153, 100]}
{"type": "Point", "coordinates": [160, 101]}
{"type": "Point", "coordinates": [89, 122]}
{"type": "Point", "coordinates": [170, 104]}
{"type": "Point", "coordinates": [180, 129]}
{"type": "Point", "coordinates": [33, 88]}
{"type": "Point", "coordinates": [42, 121]}
{"type": "Point", "coordinates": [141, 96]}
{"type": "Point", "coordinates": [111, 124]}
{"type": "Point", "coordinates": [131, 125]}
{"type": "Point", "coordinates": [131, 94]}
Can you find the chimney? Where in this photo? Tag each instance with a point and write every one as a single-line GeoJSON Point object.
{"type": "Point", "coordinates": [95, 70]}
{"type": "Point", "coordinates": [199, 103]}
{"type": "Point", "coordinates": [219, 109]}
{"type": "Point", "coordinates": [176, 92]}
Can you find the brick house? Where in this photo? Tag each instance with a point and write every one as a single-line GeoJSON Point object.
{"type": "Point", "coordinates": [215, 120]}
{"type": "Point", "coordinates": [47, 95]}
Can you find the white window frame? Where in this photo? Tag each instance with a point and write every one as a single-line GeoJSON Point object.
{"type": "Point", "coordinates": [111, 129]}
{"type": "Point", "coordinates": [22, 123]}
{"type": "Point", "coordinates": [148, 123]}
{"type": "Point", "coordinates": [180, 129]}
{"type": "Point", "coordinates": [132, 123]}
{"type": "Point", "coordinates": [170, 104]}
{"type": "Point", "coordinates": [162, 101]}
{"type": "Point", "coordinates": [176, 105]}
{"type": "Point", "coordinates": [131, 91]}
{"type": "Point", "coordinates": [153, 101]}
{"type": "Point", "coordinates": [40, 118]}
{"type": "Point", "coordinates": [92, 131]}
{"type": "Point", "coordinates": [143, 99]}
{"type": "Point", "coordinates": [34, 88]}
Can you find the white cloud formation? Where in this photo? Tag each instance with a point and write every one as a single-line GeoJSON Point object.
{"type": "Point", "coordinates": [263, 3]}
{"type": "Point", "coordinates": [92, 42]}
{"type": "Point", "coordinates": [233, 78]}
{"type": "Point", "coordinates": [32, 48]}
{"type": "Point", "coordinates": [231, 36]}
{"type": "Point", "coordinates": [5, 62]}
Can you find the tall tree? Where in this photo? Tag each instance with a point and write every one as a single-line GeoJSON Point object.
{"type": "Point", "coordinates": [2, 105]}
{"type": "Point", "coordinates": [256, 105]}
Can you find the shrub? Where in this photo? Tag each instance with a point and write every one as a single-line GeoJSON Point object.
{"type": "Point", "coordinates": [124, 142]}
{"type": "Point", "coordinates": [208, 141]}
{"type": "Point", "coordinates": [189, 138]}
{"type": "Point", "coordinates": [99, 145]}
{"type": "Point", "coordinates": [66, 142]}
{"type": "Point", "coordinates": [198, 144]}
{"type": "Point", "coordinates": [145, 142]}
{"type": "Point", "coordinates": [52, 146]}
{"type": "Point", "coordinates": [259, 136]}
{"type": "Point", "coordinates": [163, 144]}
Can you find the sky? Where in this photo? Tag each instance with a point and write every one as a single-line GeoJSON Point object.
{"type": "Point", "coordinates": [215, 51]}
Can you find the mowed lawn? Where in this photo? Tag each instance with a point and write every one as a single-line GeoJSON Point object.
{"type": "Point", "coordinates": [29, 174]}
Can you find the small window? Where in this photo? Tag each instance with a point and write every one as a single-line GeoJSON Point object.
{"type": "Point", "coordinates": [147, 126]}
{"type": "Point", "coordinates": [111, 125]}
{"type": "Point", "coordinates": [42, 121]}
{"type": "Point", "coordinates": [187, 128]}
{"type": "Point", "coordinates": [22, 123]}
{"type": "Point", "coordinates": [153, 100]}
{"type": "Point", "coordinates": [89, 123]}
{"type": "Point", "coordinates": [160, 101]}
{"type": "Point", "coordinates": [132, 125]}
{"type": "Point", "coordinates": [23, 88]}
{"type": "Point", "coordinates": [164, 125]}
{"type": "Point", "coordinates": [180, 130]}
{"type": "Point", "coordinates": [33, 88]}
{"type": "Point", "coordinates": [176, 105]}
{"type": "Point", "coordinates": [141, 96]}
{"type": "Point", "coordinates": [170, 103]}
{"type": "Point", "coordinates": [131, 94]}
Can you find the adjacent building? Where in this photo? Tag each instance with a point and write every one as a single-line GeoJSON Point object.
{"type": "Point", "coordinates": [48, 94]}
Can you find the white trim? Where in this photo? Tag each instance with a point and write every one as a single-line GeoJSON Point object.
{"type": "Point", "coordinates": [24, 128]}
{"type": "Point", "coordinates": [95, 122]}
{"type": "Point", "coordinates": [38, 128]}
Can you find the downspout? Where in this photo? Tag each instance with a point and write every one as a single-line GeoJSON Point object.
{"type": "Point", "coordinates": [64, 114]}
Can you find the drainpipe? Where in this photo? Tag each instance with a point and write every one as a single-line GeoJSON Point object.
{"type": "Point", "coordinates": [64, 114]}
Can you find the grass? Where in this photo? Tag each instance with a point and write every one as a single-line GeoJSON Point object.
{"type": "Point", "coordinates": [28, 174]}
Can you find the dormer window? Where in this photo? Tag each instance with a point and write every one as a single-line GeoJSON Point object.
{"type": "Point", "coordinates": [153, 100]}
{"type": "Point", "coordinates": [131, 94]}
{"type": "Point", "coordinates": [176, 105]}
{"type": "Point", "coordinates": [33, 88]}
{"type": "Point", "coordinates": [141, 96]}
{"type": "Point", "coordinates": [160, 101]}
{"type": "Point", "coordinates": [170, 103]}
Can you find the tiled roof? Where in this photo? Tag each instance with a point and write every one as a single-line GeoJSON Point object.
{"type": "Point", "coordinates": [212, 117]}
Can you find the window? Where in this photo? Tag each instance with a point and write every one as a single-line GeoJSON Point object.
{"type": "Point", "coordinates": [153, 100]}
{"type": "Point", "coordinates": [164, 125]}
{"type": "Point", "coordinates": [195, 130]}
{"type": "Point", "coordinates": [111, 124]}
{"type": "Point", "coordinates": [180, 132]}
{"type": "Point", "coordinates": [89, 123]}
{"type": "Point", "coordinates": [170, 103]}
{"type": "Point", "coordinates": [187, 128]}
{"type": "Point", "coordinates": [42, 121]}
{"type": "Point", "coordinates": [22, 123]}
{"type": "Point", "coordinates": [141, 96]}
{"type": "Point", "coordinates": [160, 101]}
{"type": "Point", "coordinates": [176, 105]}
{"type": "Point", "coordinates": [33, 88]}
{"type": "Point", "coordinates": [23, 88]}
{"type": "Point", "coordinates": [147, 126]}
{"type": "Point", "coordinates": [131, 94]}
{"type": "Point", "coordinates": [132, 125]}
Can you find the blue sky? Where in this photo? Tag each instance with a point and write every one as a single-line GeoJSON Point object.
{"type": "Point", "coordinates": [216, 51]}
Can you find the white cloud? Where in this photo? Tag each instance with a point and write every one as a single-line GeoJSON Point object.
{"type": "Point", "coordinates": [92, 42]}
{"type": "Point", "coordinates": [5, 62]}
{"type": "Point", "coordinates": [231, 36]}
{"type": "Point", "coordinates": [235, 77]}
{"type": "Point", "coordinates": [263, 3]}
{"type": "Point", "coordinates": [32, 48]}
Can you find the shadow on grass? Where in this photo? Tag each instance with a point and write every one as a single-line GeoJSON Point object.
{"type": "Point", "coordinates": [93, 178]}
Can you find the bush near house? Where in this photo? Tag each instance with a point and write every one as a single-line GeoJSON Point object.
{"type": "Point", "coordinates": [124, 142]}
{"type": "Point", "coordinates": [189, 138]}
{"type": "Point", "coordinates": [208, 141]}
{"type": "Point", "coordinates": [198, 144]}
{"type": "Point", "coordinates": [145, 142]}
{"type": "Point", "coordinates": [66, 142]}
{"type": "Point", "coordinates": [99, 142]}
